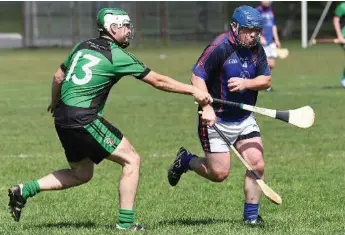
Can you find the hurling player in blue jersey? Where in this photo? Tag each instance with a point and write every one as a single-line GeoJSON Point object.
{"type": "Point", "coordinates": [233, 67]}
{"type": "Point", "coordinates": [270, 38]}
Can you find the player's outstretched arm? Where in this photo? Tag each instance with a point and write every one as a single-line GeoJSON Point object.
{"type": "Point", "coordinates": [168, 84]}
{"type": "Point", "coordinates": [55, 89]}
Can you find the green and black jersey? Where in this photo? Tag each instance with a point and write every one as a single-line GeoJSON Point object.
{"type": "Point", "coordinates": [91, 69]}
{"type": "Point", "coordinates": [340, 12]}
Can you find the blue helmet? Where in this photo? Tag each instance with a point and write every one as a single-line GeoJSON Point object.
{"type": "Point", "coordinates": [249, 17]}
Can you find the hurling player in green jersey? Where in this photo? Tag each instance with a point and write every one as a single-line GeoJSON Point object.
{"type": "Point", "coordinates": [339, 26]}
{"type": "Point", "coordinates": [79, 91]}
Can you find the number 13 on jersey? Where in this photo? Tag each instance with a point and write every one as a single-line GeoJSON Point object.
{"type": "Point", "coordinates": [93, 60]}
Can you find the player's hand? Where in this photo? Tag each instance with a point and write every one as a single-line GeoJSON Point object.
{"type": "Point", "coordinates": [51, 108]}
{"type": "Point", "coordinates": [278, 44]}
{"type": "Point", "coordinates": [236, 84]}
{"type": "Point", "coordinates": [263, 41]}
{"type": "Point", "coordinates": [202, 97]}
{"type": "Point", "coordinates": [208, 116]}
{"type": "Point", "coordinates": [341, 40]}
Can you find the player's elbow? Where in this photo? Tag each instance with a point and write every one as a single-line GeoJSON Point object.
{"type": "Point", "coordinates": [268, 82]}
{"type": "Point", "coordinates": [58, 79]}
{"type": "Point", "coordinates": [193, 80]}
{"type": "Point", "coordinates": [265, 82]}
{"type": "Point", "coordinates": [59, 76]}
{"type": "Point", "coordinates": [197, 81]}
{"type": "Point", "coordinates": [158, 82]}
{"type": "Point", "coordinates": [336, 22]}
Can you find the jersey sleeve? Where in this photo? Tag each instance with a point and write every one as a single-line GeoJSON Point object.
{"type": "Point", "coordinates": [262, 67]}
{"type": "Point", "coordinates": [210, 62]}
{"type": "Point", "coordinates": [126, 64]}
{"type": "Point", "coordinates": [67, 61]}
{"type": "Point", "coordinates": [340, 10]}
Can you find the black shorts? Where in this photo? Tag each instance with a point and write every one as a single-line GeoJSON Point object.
{"type": "Point", "coordinates": [96, 140]}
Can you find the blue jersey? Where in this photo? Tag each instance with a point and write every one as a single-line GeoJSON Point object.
{"type": "Point", "coordinates": [224, 59]}
{"type": "Point", "coordinates": [269, 22]}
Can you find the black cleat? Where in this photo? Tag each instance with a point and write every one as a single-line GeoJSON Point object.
{"type": "Point", "coordinates": [133, 227]}
{"type": "Point", "coordinates": [259, 222]}
{"type": "Point", "coordinates": [16, 203]}
{"type": "Point", "coordinates": [176, 170]}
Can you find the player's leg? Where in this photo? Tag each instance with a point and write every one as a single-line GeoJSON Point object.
{"type": "Point", "coordinates": [77, 146]}
{"type": "Point", "coordinates": [115, 147]}
{"type": "Point", "coordinates": [250, 146]}
{"type": "Point", "coordinates": [342, 79]}
{"type": "Point", "coordinates": [81, 171]}
{"type": "Point", "coordinates": [129, 159]}
{"type": "Point", "coordinates": [215, 166]}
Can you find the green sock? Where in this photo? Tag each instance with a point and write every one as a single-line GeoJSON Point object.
{"type": "Point", "coordinates": [126, 218]}
{"type": "Point", "coordinates": [30, 189]}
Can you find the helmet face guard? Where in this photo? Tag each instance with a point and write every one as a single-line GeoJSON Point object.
{"type": "Point", "coordinates": [246, 17]}
{"type": "Point", "coordinates": [243, 43]}
{"type": "Point", "coordinates": [109, 16]}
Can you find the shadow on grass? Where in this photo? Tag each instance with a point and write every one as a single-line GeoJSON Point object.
{"type": "Point", "coordinates": [87, 224]}
{"type": "Point", "coordinates": [192, 222]}
{"type": "Point", "coordinates": [333, 87]}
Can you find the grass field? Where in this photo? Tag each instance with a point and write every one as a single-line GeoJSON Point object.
{"type": "Point", "coordinates": [306, 167]}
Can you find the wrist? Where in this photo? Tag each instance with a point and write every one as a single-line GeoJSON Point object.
{"type": "Point", "coordinates": [246, 83]}
{"type": "Point", "coordinates": [206, 107]}
{"type": "Point", "coordinates": [192, 90]}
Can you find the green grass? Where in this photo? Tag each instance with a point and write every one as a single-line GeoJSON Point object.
{"type": "Point", "coordinates": [306, 167]}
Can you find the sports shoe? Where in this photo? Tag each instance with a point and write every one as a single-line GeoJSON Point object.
{"type": "Point", "coordinates": [17, 202]}
{"type": "Point", "coordinates": [176, 170]}
{"type": "Point", "coordinates": [133, 227]}
{"type": "Point", "coordinates": [258, 222]}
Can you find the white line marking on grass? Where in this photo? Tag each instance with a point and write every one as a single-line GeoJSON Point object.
{"type": "Point", "coordinates": [22, 155]}
{"type": "Point", "coordinates": [160, 155]}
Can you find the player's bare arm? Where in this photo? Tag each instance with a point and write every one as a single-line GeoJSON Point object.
{"type": "Point", "coordinates": [337, 27]}
{"type": "Point", "coordinates": [208, 114]}
{"type": "Point", "coordinates": [237, 84]}
{"type": "Point", "coordinates": [55, 89]}
{"type": "Point", "coordinates": [276, 36]}
{"type": "Point", "coordinates": [168, 84]}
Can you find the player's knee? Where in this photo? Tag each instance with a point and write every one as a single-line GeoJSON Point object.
{"type": "Point", "coordinates": [84, 176]}
{"type": "Point", "coordinates": [134, 159]}
{"type": "Point", "coordinates": [259, 166]}
{"type": "Point", "coordinates": [132, 165]}
{"type": "Point", "coordinates": [219, 175]}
